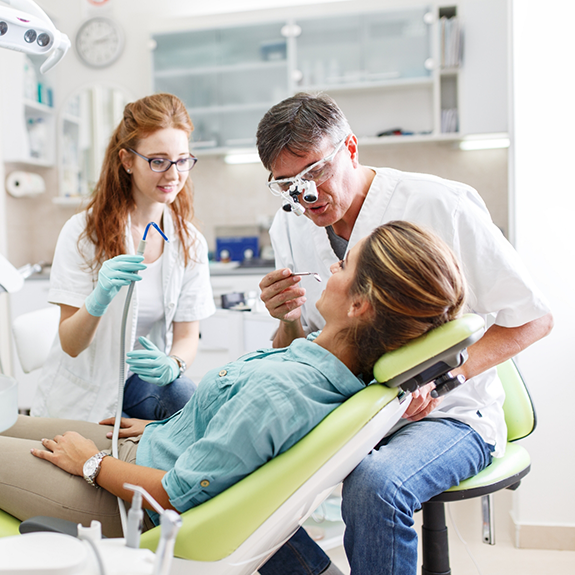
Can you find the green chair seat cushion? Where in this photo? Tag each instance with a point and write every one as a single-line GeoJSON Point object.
{"type": "Point", "coordinates": [215, 529]}
{"type": "Point", "coordinates": [8, 525]}
{"type": "Point", "coordinates": [514, 463]}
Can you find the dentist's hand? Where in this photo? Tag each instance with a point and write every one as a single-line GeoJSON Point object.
{"type": "Point", "coordinates": [152, 365]}
{"type": "Point", "coordinates": [114, 273]}
{"type": "Point", "coordinates": [282, 295]}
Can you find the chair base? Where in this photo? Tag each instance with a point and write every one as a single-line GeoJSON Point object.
{"type": "Point", "coordinates": [434, 537]}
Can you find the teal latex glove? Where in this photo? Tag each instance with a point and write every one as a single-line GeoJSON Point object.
{"type": "Point", "coordinates": [153, 365]}
{"type": "Point", "coordinates": [114, 273]}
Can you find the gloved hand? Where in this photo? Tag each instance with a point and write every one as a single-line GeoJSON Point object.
{"type": "Point", "coordinates": [153, 365]}
{"type": "Point", "coordinates": [114, 273]}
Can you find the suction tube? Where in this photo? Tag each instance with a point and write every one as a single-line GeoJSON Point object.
{"type": "Point", "coordinates": [121, 382]}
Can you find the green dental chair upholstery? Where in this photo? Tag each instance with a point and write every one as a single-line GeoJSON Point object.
{"type": "Point", "coordinates": [236, 531]}
{"type": "Point", "coordinates": [503, 473]}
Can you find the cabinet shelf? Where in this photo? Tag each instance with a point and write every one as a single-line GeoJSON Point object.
{"type": "Point", "coordinates": [230, 108]}
{"type": "Point", "coordinates": [224, 69]}
{"type": "Point", "coordinates": [369, 85]}
{"type": "Point", "coordinates": [38, 107]}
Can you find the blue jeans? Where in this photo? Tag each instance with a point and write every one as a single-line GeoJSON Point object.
{"type": "Point", "coordinates": [406, 469]}
{"type": "Point", "coordinates": [149, 401]}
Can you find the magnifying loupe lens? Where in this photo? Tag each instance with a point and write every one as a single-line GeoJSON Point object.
{"type": "Point", "coordinates": [3, 28]}
{"type": "Point", "coordinates": [43, 39]}
{"type": "Point", "coordinates": [30, 36]}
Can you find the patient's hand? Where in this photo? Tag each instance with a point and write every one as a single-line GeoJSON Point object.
{"type": "Point", "coordinates": [68, 451]}
{"type": "Point", "coordinates": [129, 427]}
{"type": "Point", "coordinates": [422, 404]}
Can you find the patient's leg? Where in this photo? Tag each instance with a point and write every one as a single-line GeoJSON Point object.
{"type": "Point", "coordinates": [30, 486]}
{"type": "Point", "coordinates": [37, 428]}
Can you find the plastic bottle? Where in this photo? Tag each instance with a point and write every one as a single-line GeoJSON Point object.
{"type": "Point", "coordinates": [30, 81]}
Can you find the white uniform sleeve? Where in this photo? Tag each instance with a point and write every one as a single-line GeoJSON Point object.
{"type": "Point", "coordinates": [71, 281]}
{"type": "Point", "coordinates": [499, 282]}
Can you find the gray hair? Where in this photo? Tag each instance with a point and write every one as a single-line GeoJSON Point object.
{"type": "Point", "coordinates": [299, 124]}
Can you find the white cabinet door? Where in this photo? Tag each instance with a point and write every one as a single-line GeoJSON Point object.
{"type": "Point", "coordinates": [483, 84]}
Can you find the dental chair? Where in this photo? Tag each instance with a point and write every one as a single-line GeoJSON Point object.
{"type": "Point", "coordinates": [34, 333]}
{"type": "Point", "coordinates": [504, 473]}
{"type": "Point", "coordinates": [235, 532]}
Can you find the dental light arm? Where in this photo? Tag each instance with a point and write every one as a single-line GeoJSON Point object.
{"type": "Point", "coordinates": [25, 27]}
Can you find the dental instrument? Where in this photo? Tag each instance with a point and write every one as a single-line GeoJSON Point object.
{"type": "Point", "coordinates": [27, 28]}
{"type": "Point", "coordinates": [120, 404]}
{"type": "Point", "coordinates": [315, 275]}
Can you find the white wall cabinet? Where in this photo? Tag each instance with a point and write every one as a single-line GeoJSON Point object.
{"type": "Point", "coordinates": [27, 125]}
{"type": "Point", "coordinates": [393, 72]}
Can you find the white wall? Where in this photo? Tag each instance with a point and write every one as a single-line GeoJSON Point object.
{"type": "Point", "coordinates": [542, 157]}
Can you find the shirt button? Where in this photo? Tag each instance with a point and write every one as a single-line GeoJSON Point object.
{"type": "Point", "coordinates": [223, 372]}
{"type": "Point", "coordinates": [204, 483]}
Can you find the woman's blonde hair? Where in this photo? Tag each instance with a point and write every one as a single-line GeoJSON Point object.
{"type": "Point", "coordinates": [413, 282]}
{"type": "Point", "coordinates": [112, 201]}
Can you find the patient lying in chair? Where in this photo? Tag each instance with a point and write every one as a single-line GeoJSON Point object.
{"type": "Point", "coordinates": [393, 286]}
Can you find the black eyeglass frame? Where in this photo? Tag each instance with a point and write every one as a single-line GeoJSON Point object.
{"type": "Point", "coordinates": [172, 162]}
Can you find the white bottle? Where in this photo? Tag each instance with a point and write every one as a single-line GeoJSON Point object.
{"type": "Point", "coordinates": [30, 81]}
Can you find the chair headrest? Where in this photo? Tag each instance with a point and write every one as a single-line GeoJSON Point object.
{"type": "Point", "coordinates": [430, 355]}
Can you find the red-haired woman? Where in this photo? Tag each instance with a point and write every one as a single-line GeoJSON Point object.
{"type": "Point", "coordinates": [144, 179]}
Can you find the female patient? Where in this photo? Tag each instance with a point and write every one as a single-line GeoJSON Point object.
{"type": "Point", "coordinates": [393, 286]}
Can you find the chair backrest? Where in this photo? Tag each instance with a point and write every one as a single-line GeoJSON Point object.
{"type": "Point", "coordinates": [518, 407]}
{"type": "Point", "coordinates": [34, 333]}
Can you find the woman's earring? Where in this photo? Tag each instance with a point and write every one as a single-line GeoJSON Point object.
{"type": "Point", "coordinates": [129, 170]}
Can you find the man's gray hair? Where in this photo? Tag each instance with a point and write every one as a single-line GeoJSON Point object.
{"type": "Point", "coordinates": [299, 124]}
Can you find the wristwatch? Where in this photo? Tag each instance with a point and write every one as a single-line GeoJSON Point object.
{"type": "Point", "coordinates": [181, 364]}
{"type": "Point", "coordinates": [92, 468]}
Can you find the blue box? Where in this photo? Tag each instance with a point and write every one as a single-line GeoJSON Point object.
{"type": "Point", "coordinates": [237, 247]}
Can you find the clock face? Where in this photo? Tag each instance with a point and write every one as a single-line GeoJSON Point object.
{"type": "Point", "coordinates": [99, 42]}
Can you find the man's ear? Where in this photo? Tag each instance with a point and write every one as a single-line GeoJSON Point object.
{"type": "Point", "coordinates": [359, 308]}
{"type": "Point", "coordinates": [351, 145]}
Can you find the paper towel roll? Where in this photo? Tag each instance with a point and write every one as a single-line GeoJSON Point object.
{"type": "Point", "coordinates": [20, 184]}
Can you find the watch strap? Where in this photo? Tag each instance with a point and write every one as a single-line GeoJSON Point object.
{"type": "Point", "coordinates": [181, 364]}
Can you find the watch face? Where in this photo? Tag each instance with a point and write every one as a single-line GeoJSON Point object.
{"type": "Point", "coordinates": [90, 466]}
{"type": "Point", "coordinates": [99, 42]}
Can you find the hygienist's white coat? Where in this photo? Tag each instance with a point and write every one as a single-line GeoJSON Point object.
{"type": "Point", "coordinates": [499, 285]}
{"type": "Point", "coordinates": [86, 387]}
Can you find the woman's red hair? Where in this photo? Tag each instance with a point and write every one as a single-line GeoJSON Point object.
{"type": "Point", "coordinates": [112, 201]}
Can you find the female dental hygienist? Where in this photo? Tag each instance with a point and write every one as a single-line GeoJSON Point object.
{"type": "Point", "coordinates": [144, 179]}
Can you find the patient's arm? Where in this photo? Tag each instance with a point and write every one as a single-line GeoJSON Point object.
{"type": "Point", "coordinates": [497, 345]}
{"type": "Point", "coordinates": [129, 427]}
{"type": "Point", "coordinates": [71, 450]}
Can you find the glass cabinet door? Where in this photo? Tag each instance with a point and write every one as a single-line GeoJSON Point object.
{"type": "Point", "coordinates": [364, 49]}
{"type": "Point", "coordinates": [227, 78]}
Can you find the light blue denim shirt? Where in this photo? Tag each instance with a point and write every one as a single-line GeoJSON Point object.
{"type": "Point", "coordinates": [241, 416]}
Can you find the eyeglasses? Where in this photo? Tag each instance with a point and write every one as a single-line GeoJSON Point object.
{"type": "Point", "coordinates": [319, 172]}
{"type": "Point", "coordinates": [163, 164]}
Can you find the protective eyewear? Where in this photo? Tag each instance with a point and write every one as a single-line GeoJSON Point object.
{"type": "Point", "coordinates": [318, 173]}
{"type": "Point", "coordinates": [163, 164]}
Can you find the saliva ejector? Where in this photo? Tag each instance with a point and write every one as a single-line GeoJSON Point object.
{"type": "Point", "coordinates": [121, 381]}
{"type": "Point", "coordinates": [25, 27]}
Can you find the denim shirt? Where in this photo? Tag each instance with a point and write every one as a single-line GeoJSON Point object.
{"type": "Point", "coordinates": [241, 416]}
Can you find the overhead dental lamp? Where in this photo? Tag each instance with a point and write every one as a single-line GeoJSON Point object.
{"type": "Point", "coordinates": [25, 27]}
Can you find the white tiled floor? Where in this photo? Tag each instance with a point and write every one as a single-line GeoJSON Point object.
{"type": "Point", "coordinates": [500, 559]}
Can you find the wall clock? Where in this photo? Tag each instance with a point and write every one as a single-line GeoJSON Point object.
{"type": "Point", "coordinates": [99, 42]}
